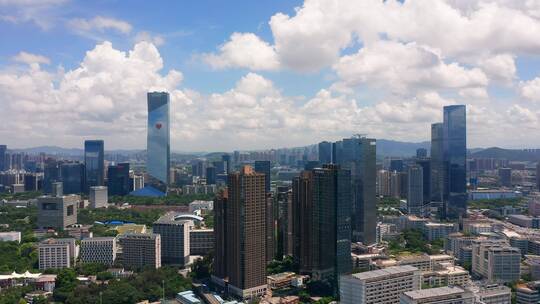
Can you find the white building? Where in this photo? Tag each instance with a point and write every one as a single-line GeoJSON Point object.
{"type": "Point", "coordinates": [441, 295]}
{"type": "Point", "coordinates": [435, 231]}
{"type": "Point", "coordinates": [98, 250]}
{"type": "Point", "coordinates": [494, 294]}
{"type": "Point", "coordinates": [495, 261]}
{"type": "Point", "coordinates": [54, 254]}
{"type": "Point", "coordinates": [379, 286]}
{"type": "Point", "coordinates": [98, 197]}
{"type": "Point", "coordinates": [201, 205]}
{"type": "Point", "coordinates": [10, 236]}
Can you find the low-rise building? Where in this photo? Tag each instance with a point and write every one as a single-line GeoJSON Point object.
{"type": "Point", "coordinates": [280, 280]}
{"type": "Point", "coordinates": [441, 295]}
{"type": "Point", "coordinates": [382, 286]}
{"type": "Point", "coordinates": [10, 236]}
{"type": "Point", "coordinates": [435, 231]}
{"type": "Point", "coordinates": [528, 293]}
{"type": "Point", "coordinates": [524, 221]}
{"type": "Point", "coordinates": [98, 250]}
{"type": "Point", "coordinates": [495, 261]}
{"type": "Point", "coordinates": [494, 294]}
{"type": "Point", "coordinates": [55, 254]}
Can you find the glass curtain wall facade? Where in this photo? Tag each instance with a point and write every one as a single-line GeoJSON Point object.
{"type": "Point", "coordinates": [93, 162]}
{"type": "Point", "coordinates": [158, 140]}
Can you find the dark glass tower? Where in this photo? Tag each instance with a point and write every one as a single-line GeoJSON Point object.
{"type": "Point", "coordinates": [72, 178]}
{"type": "Point", "coordinates": [51, 175]}
{"type": "Point", "coordinates": [325, 152]}
{"type": "Point", "coordinates": [455, 158]}
{"type": "Point", "coordinates": [3, 149]}
{"type": "Point", "coordinates": [118, 179]}
{"type": "Point", "coordinates": [263, 166]}
{"type": "Point", "coordinates": [437, 162]}
{"type": "Point", "coordinates": [93, 162]}
{"type": "Point", "coordinates": [358, 154]}
{"type": "Point", "coordinates": [210, 175]}
{"type": "Point", "coordinates": [158, 141]}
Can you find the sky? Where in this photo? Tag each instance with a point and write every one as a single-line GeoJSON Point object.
{"type": "Point", "coordinates": [267, 74]}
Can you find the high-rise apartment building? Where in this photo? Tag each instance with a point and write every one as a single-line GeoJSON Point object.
{"type": "Point", "coordinates": [415, 190]}
{"type": "Point", "coordinates": [57, 212]}
{"type": "Point", "coordinates": [140, 250]}
{"type": "Point", "coordinates": [118, 181]}
{"type": "Point", "coordinates": [325, 152]}
{"type": "Point", "coordinates": [383, 286]}
{"type": "Point", "coordinates": [302, 210]}
{"type": "Point", "coordinates": [455, 159]}
{"type": "Point", "coordinates": [241, 213]}
{"type": "Point", "coordinates": [158, 140]}
{"type": "Point", "coordinates": [94, 163]}
{"type": "Point", "coordinates": [174, 238]}
{"type": "Point", "coordinates": [425, 164]}
{"type": "Point", "coordinates": [283, 214]}
{"type": "Point", "coordinates": [358, 154]}
{"type": "Point", "coordinates": [505, 177]}
{"type": "Point", "coordinates": [98, 250]}
{"type": "Point", "coordinates": [437, 167]}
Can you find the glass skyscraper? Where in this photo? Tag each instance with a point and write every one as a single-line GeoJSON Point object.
{"type": "Point", "coordinates": [3, 149]}
{"type": "Point", "coordinates": [325, 152]}
{"type": "Point", "coordinates": [455, 159]}
{"type": "Point", "coordinates": [358, 154]}
{"type": "Point", "coordinates": [437, 162]}
{"type": "Point", "coordinates": [93, 161]}
{"type": "Point", "coordinates": [72, 178]}
{"type": "Point", "coordinates": [118, 179]}
{"type": "Point", "coordinates": [158, 140]}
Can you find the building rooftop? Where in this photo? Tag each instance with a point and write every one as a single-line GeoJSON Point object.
{"type": "Point", "coordinates": [433, 292]}
{"type": "Point", "coordinates": [394, 270]}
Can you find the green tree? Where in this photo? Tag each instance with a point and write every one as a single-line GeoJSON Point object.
{"type": "Point", "coordinates": [66, 281]}
{"type": "Point", "coordinates": [202, 268]}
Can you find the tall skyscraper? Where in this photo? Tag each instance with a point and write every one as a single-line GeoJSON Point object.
{"type": "Point", "coordinates": [505, 177]}
{"type": "Point", "coordinates": [211, 175]}
{"type": "Point", "coordinates": [325, 152]}
{"type": "Point", "coordinates": [358, 154]}
{"type": "Point", "coordinates": [321, 215]}
{"type": "Point", "coordinates": [93, 162]}
{"type": "Point", "coordinates": [415, 192]}
{"type": "Point", "coordinates": [3, 149]}
{"type": "Point", "coordinates": [263, 166]}
{"type": "Point", "coordinates": [226, 158]}
{"type": "Point", "coordinates": [437, 162]}
{"type": "Point", "coordinates": [51, 175]}
{"type": "Point", "coordinates": [220, 240]}
{"type": "Point", "coordinates": [245, 238]}
{"type": "Point", "coordinates": [455, 158]}
{"type": "Point", "coordinates": [425, 163]}
{"type": "Point", "coordinates": [118, 182]}
{"type": "Point", "coordinates": [158, 140]}
{"type": "Point", "coordinates": [421, 152]}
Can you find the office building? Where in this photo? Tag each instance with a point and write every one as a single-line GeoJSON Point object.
{"type": "Point", "coordinates": [325, 152]}
{"type": "Point", "coordinates": [434, 231]}
{"type": "Point", "coordinates": [528, 293]}
{"type": "Point", "coordinates": [140, 250]}
{"type": "Point", "coordinates": [505, 177]}
{"type": "Point", "coordinates": [226, 158]}
{"type": "Point", "coordinates": [201, 241]}
{"type": "Point", "coordinates": [425, 164]}
{"type": "Point", "coordinates": [495, 261]}
{"type": "Point", "coordinates": [158, 141]}
{"type": "Point", "coordinates": [270, 229]}
{"type": "Point", "coordinates": [32, 182]}
{"type": "Point", "coordinates": [358, 155]}
{"type": "Point", "coordinates": [57, 212]}
{"type": "Point", "coordinates": [455, 158]}
{"type": "Point", "coordinates": [98, 250]}
{"type": "Point", "coordinates": [72, 178]}
{"type": "Point", "coordinates": [396, 165]}
{"type": "Point", "coordinates": [383, 286]}
{"type": "Point", "coordinates": [211, 175]}
{"type": "Point", "coordinates": [302, 210]}
{"type": "Point", "coordinates": [94, 163]}
{"type": "Point", "coordinates": [494, 294]}
{"type": "Point", "coordinates": [437, 162]}
{"type": "Point", "coordinates": [56, 253]}
{"type": "Point", "coordinates": [3, 152]}
{"type": "Point", "coordinates": [98, 197]}
{"type": "Point", "coordinates": [57, 189]}
{"type": "Point", "coordinates": [440, 295]}
{"type": "Point", "coordinates": [263, 166]}
{"type": "Point", "coordinates": [241, 251]}
{"type": "Point", "coordinates": [118, 181]}
{"type": "Point", "coordinates": [421, 153]}
{"type": "Point", "coordinates": [415, 192]}
{"type": "Point", "coordinates": [174, 238]}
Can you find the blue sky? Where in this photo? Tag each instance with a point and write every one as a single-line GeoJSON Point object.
{"type": "Point", "coordinates": [262, 74]}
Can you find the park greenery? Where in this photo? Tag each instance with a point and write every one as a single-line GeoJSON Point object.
{"type": "Point", "coordinates": [20, 196]}
{"type": "Point", "coordinates": [287, 264]}
{"type": "Point", "coordinates": [413, 241]}
{"type": "Point", "coordinates": [171, 199]}
{"type": "Point", "coordinates": [388, 202]}
{"type": "Point", "coordinates": [495, 203]}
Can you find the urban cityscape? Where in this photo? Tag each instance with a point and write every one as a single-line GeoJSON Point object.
{"type": "Point", "coordinates": [434, 201]}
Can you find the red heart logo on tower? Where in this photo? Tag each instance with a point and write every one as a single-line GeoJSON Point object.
{"type": "Point", "coordinates": [158, 125]}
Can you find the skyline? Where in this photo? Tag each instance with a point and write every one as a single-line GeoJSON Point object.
{"type": "Point", "coordinates": [73, 72]}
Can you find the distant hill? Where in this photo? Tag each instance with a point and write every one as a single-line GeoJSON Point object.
{"type": "Point", "coordinates": [399, 148]}
{"type": "Point", "coordinates": [532, 155]}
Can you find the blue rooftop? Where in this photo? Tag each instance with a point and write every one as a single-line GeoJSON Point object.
{"type": "Point", "coordinates": [148, 191]}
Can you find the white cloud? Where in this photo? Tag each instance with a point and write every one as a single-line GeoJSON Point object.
{"type": "Point", "coordinates": [99, 24]}
{"type": "Point", "coordinates": [244, 50]}
{"type": "Point", "coordinates": [500, 67]}
{"type": "Point", "coordinates": [41, 13]}
{"type": "Point", "coordinates": [30, 58]}
{"type": "Point", "coordinates": [531, 89]}
{"type": "Point", "coordinates": [155, 39]}
{"type": "Point", "coordinates": [400, 67]}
